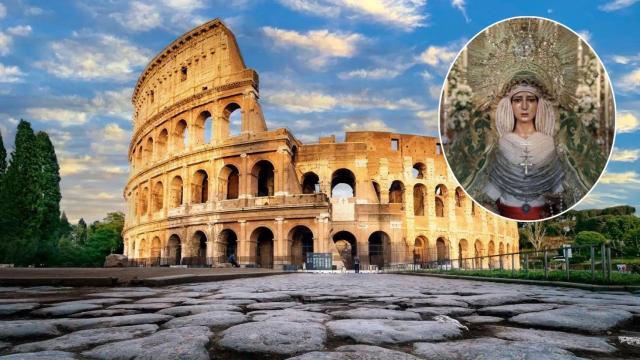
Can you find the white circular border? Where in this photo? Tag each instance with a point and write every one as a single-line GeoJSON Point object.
{"type": "Point", "coordinates": [615, 115]}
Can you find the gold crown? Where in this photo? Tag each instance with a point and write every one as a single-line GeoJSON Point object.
{"type": "Point", "coordinates": [534, 51]}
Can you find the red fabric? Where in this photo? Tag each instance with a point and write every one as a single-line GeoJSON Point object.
{"type": "Point", "coordinates": [516, 213]}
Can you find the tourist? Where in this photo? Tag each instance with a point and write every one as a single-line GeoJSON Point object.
{"type": "Point", "coordinates": [356, 264]}
{"type": "Point", "coordinates": [232, 260]}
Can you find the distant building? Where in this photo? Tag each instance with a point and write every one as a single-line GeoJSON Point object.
{"type": "Point", "coordinates": [198, 192]}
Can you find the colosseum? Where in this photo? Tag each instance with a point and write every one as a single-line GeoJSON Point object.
{"type": "Point", "coordinates": [199, 191]}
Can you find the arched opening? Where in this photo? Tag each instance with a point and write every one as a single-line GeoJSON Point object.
{"type": "Point", "coordinates": [396, 192]}
{"type": "Point", "coordinates": [376, 189]}
{"type": "Point", "coordinates": [143, 252]}
{"type": "Point", "coordinates": [501, 254]}
{"type": "Point", "coordinates": [478, 254]}
{"type": "Point", "coordinates": [419, 171]}
{"type": "Point", "coordinates": [200, 187]}
{"type": "Point", "coordinates": [491, 251]}
{"type": "Point", "coordinates": [347, 248]}
{"type": "Point", "coordinates": [442, 251]}
{"type": "Point", "coordinates": [180, 136]}
{"type": "Point", "coordinates": [199, 249]}
{"type": "Point", "coordinates": [379, 249]}
{"type": "Point", "coordinates": [463, 254]}
{"type": "Point", "coordinates": [139, 153]}
{"type": "Point", "coordinates": [161, 144]}
{"type": "Point", "coordinates": [310, 183]}
{"type": "Point", "coordinates": [301, 240]}
{"type": "Point", "coordinates": [229, 182]}
{"type": "Point", "coordinates": [420, 250]}
{"type": "Point", "coordinates": [157, 197]}
{"type": "Point", "coordinates": [440, 196]}
{"type": "Point", "coordinates": [133, 248]}
{"type": "Point", "coordinates": [459, 198]}
{"type": "Point", "coordinates": [263, 239]}
{"type": "Point", "coordinates": [176, 192]}
{"type": "Point", "coordinates": [233, 114]}
{"type": "Point", "coordinates": [263, 177]}
{"type": "Point", "coordinates": [203, 128]}
{"type": "Point", "coordinates": [228, 245]}
{"type": "Point", "coordinates": [343, 183]}
{"type": "Point", "coordinates": [148, 151]}
{"type": "Point", "coordinates": [419, 196]}
{"type": "Point", "coordinates": [174, 250]}
{"type": "Point", "coordinates": [155, 251]}
{"type": "Point", "coordinates": [144, 201]}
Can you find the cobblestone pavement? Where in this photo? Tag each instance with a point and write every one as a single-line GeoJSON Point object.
{"type": "Point", "coordinates": [319, 316]}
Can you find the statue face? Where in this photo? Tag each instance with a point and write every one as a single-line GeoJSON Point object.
{"type": "Point", "coordinates": [525, 106]}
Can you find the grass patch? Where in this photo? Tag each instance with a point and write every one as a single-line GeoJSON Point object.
{"type": "Point", "coordinates": [576, 276]}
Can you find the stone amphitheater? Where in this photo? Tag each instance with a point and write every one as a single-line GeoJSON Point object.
{"type": "Point", "coordinates": [198, 191]}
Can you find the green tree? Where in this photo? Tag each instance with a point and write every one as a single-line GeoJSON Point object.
{"type": "Point", "coordinates": [590, 238]}
{"type": "Point", "coordinates": [19, 199]}
{"type": "Point", "coordinates": [3, 157]}
{"type": "Point", "coordinates": [65, 226]}
{"type": "Point", "coordinates": [81, 232]}
{"type": "Point", "coordinates": [49, 204]}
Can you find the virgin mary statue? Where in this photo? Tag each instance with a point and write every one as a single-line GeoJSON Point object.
{"type": "Point", "coordinates": [517, 145]}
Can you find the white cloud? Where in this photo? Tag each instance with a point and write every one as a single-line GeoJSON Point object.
{"type": "Point", "coordinates": [317, 46]}
{"type": "Point", "coordinates": [460, 5]}
{"type": "Point", "coordinates": [113, 132]}
{"type": "Point", "coordinates": [111, 140]}
{"type": "Point", "coordinates": [139, 17]}
{"type": "Point", "coordinates": [71, 165]}
{"type": "Point", "coordinates": [308, 102]}
{"type": "Point", "coordinates": [372, 74]}
{"type": "Point", "coordinates": [621, 59]}
{"type": "Point", "coordinates": [429, 120]}
{"type": "Point", "coordinates": [625, 155]}
{"type": "Point", "coordinates": [33, 11]}
{"type": "Point", "coordinates": [623, 178]}
{"type": "Point", "coordinates": [437, 55]}
{"type": "Point", "coordinates": [59, 138]}
{"type": "Point", "coordinates": [10, 74]}
{"type": "Point", "coordinates": [631, 81]}
{"type": "Point", "coordinates": [616, 5]}
{"type": "Point", "coordinates": [403, 14]}
{"type": "Point", "coordinates": [94, 57]}
{"type": "Point", "coordinates": [3, 11]}
{"type": "Point", "coordinates": [627, 122]}
{"type": "Point", "coordinates": [585, 35]}
{"type": "Point", "coordinates": [365, 125]}
{"type": "Point", "coordinates": [5, 43]}
{"type": "Point", "coordinates": [20, 30]}
{"type": "Point", "coordinates": [435, 91]}
{"type": "Point", "coordinates": [116, 103]}
{"type": "Point", "coordinates": [66, 117]}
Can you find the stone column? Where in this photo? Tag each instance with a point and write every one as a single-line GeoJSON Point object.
{"type": "Point", "coordinates": [280, 245]}
{"type": "Point", "coordinates": [243, 191]}
{"type": "Point", "coordinates": [244, 256]}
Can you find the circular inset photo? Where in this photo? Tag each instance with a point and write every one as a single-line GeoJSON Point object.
{"type": "Point", "coordinates": [527, 118]}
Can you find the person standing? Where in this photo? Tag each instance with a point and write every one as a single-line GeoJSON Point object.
{"type": "Point", "coordinates": [356, 264]}
{"type": "Point", "coordinates": [232, 260]}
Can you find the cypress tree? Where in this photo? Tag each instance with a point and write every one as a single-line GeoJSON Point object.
{"type": "Point", "coordinates": [49, 205]}
{"type": "Point", "coordinates": [3, 157]}
{"type": "Point", "coordinates": [19, 200]}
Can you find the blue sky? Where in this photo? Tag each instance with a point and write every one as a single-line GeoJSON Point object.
{"type": "Point", "coordinates": [326, 66]}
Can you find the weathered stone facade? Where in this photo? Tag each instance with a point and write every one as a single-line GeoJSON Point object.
{"type": "Point", "coordinates": [198, 193]}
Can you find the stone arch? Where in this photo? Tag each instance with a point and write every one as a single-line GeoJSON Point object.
{"type": "Point", "coordinates": [479, 253]}
{"type": "Point", "coordinates": [199, 248]}
{"type": "Point", "coordinates": [157, 197]}
{"type": "Point", "coordinates": [174, 250]}
{"type": "Point", "coordinates": [202, 128]}
{"type": "Point", "coordinates": [156, 246]}
{"type": "Point", "coordinates": [139, 154]}
{"type": "Point", "coordinates": [162, 143]}
{"type": "Point", "coordinates": [301, 242]}
{"type": "Point", "coordinates": [232, 116]}
{"type": "Point", "coordinates": [177, 192]}
{"type": "Point", "coordinates": [501, 254]}
{"type": "Point", "coordinates": [143, 250]}
{"type": "Point", "coordinates": [200, 187]}
{"type": "Point", "coordinates": [396, 192]}
{"type": "Point", "coordinates": [421, 250]}
{"type": "Point", "coordinates": [343, 183]}
{"type": "Point", "coordinates": [310, 183]}
{"type": "Point", "coordinates": [463, 253]}
{"type": "Point", "coordinates": [229, 182]}
{"type": "Point", "coordinates": [227, 245]}
{"type": "Point", "coordinates": [144, 201]}
{"type": "Point", "coordinates": [419, 171]}
{"type": "Point", "coordinates": [148, 150]}
{"type": "Point", "coordinates": [491, 251]}
{"type": "Point", "coordinates": [262, 237]}
{"type": "Point", "coordinates": [419, 199]}
{"type": "Point", "coordinates": [440, 200]}
{"type": "Point", "coordinates": [442, 251]}
{"type": "Point", "coordinates": [346, 246]}
{"type": "Point", "coordinates": [460, 197]}
{"type": "Point", "coordinates": [180, 136]}
{"type": "Point", "coordinates": [379, 249]}
{"type": "Point", "coordinates": [263, 178]}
